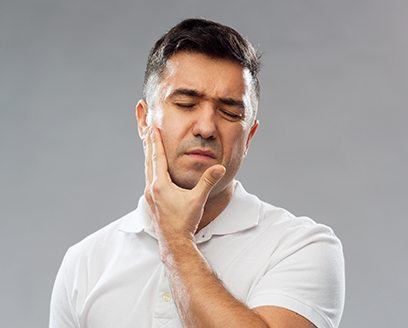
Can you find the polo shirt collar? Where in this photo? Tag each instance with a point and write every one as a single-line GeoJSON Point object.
{"type": "Point", "coordinates": [241, 213]}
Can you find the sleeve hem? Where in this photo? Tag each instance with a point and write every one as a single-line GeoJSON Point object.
{"type": "Point", "coordinates": [292, 304]}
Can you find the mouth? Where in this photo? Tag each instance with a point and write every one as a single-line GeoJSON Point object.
{"type": "Point", "coordinates": [201, 154]}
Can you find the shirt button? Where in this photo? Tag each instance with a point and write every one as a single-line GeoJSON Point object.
{"type": "Point", "coordinates": [166, 297]}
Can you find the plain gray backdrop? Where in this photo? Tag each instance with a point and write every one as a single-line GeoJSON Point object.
{"type": "Point", "coordinates": [332, 142]}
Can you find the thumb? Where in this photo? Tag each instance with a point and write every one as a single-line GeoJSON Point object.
{"type": "Point", "coordinates": [209, 179]}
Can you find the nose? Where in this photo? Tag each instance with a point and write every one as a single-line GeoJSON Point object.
{"type": "Point", "coordinates": [204, 124]}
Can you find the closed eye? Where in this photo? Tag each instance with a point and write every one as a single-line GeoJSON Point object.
{"type": "Point", "coordinates": [192, 105]}
{"type": "Point", "coordinates": [234, 116]}
{"type": "Point", "coordinates": [182, 105]}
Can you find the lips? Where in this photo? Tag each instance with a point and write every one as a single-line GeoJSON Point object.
{"type": "Point", "coordinates": [202, 152]}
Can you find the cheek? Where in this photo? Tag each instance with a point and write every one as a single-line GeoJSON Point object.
{"type": "Point", "coordinates": [170, 138]}
{"type": "Point", "coordinates": [235, 145]}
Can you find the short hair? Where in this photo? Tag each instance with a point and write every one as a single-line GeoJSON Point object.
{"type": "Point", "coordinates": [203, 36]}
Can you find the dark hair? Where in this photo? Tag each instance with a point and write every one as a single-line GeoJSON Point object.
{"type": "Point", "coordinates": [206, 37]}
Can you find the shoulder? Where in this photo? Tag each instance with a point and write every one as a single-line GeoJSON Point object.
{"type": "Point", "coordinates": [297, 240]}
{"type": "Point", "coordinates": [294, 230]}
{"type": "Point", "coordinates": [305, 267]}
{"type": "Point", "coordinates": [279, 234]}
{"type": "Point", "coordinates": [97, 244]}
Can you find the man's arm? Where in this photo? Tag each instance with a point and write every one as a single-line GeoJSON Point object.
{"type": "Point", "coordinates": [202, 300]}
{"type": "Point", "coordinates": [200, 297]}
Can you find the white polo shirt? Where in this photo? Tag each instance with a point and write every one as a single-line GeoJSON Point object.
{"type": "Point", "coordinates": [263, 254]}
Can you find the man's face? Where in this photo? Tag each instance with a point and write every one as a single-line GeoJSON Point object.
{"type": "Point", "coordinates": [203, 103]}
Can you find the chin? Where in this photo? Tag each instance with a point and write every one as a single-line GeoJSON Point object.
{"type": "Point", "coordinates": [185, 180]}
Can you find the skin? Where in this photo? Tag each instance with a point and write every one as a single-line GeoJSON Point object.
{"type": "Point", "coordinates": [204, 127]}
{"type": "Point", "coordinates": [185, 193]}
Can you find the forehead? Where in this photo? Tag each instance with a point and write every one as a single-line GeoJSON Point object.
{"type": "Point", "coordinates": [212, 76]}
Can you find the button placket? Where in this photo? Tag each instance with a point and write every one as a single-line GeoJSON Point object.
{"type": "Point", "coordinates": [166, 297]}
{"type": "Point", "coordinates": [165, 308]}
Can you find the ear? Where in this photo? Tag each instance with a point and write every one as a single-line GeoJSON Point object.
{"type": "Point", "coordinates": [250, 135]}
{"type": "Point", "coordinates": [141, 116]}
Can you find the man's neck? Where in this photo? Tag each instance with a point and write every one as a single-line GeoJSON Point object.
{"type": "Point", "coordinates": [216, 204]}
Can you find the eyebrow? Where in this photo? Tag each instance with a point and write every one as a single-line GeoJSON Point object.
{"type": "Point", "coordinates": [196, 94]}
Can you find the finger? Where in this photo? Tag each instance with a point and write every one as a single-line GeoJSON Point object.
{"type": "Point", "coordinates": [159, 159]}
{"type": "Point", "coordinates": [148, 155]}
{"type": "Point", "coordinates": [208, 180]}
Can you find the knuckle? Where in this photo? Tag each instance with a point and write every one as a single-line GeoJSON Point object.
{"type": "Point", "coordinates": [208, 181]}
{"type": "Point", "coordinates": [156, 187]}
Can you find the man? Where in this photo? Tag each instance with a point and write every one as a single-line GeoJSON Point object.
{"type": "Point", "coordinates": [199, 250]}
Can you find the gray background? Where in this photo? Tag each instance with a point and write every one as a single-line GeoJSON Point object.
{"type": "Point", "coordinates": [332, 143]}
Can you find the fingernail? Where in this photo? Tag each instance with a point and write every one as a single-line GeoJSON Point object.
{"type": "Point", "coordinates": [218, 173]}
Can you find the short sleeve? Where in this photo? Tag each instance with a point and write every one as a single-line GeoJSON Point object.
{"type": "Point", "coordinates": [308, 278]}
{"type": "Point", "coordinates": [61, 309]}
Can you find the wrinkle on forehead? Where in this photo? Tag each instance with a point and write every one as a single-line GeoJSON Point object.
{"type": "Point", "coordinates": [184, 70]}
{"type": "Point", "coordinates": [160, 89]}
